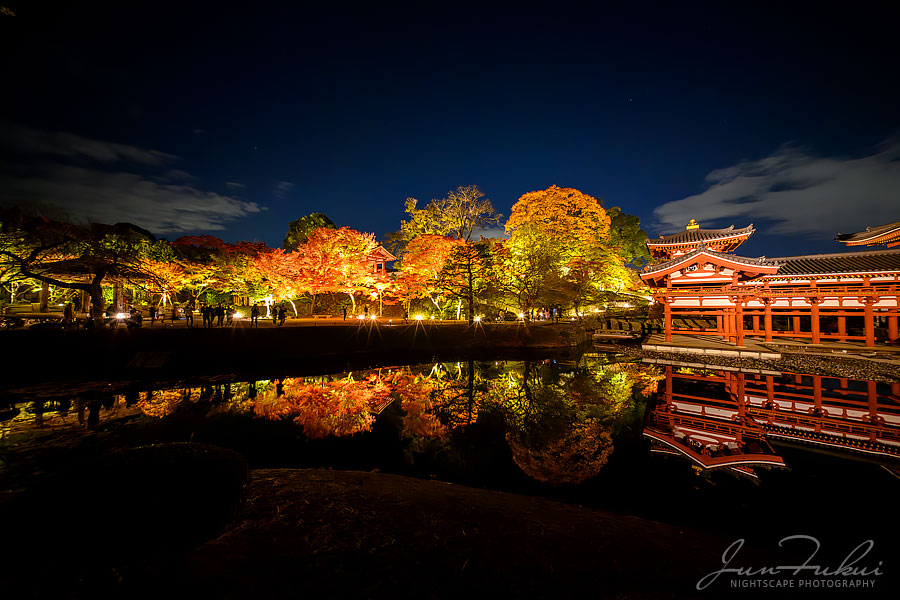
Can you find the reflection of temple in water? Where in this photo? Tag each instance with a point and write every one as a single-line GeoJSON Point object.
{"type": "Point", "coordinates": [729, 419]}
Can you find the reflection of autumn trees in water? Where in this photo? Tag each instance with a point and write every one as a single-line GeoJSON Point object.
{"type": "Point", "coordinates": [561, 422]}
{"type": "Point", "coordinates": [323, 408]}
{"type": "Point", "coordinates": [560, 419]}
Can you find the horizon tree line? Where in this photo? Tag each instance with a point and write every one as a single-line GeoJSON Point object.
{"type": "Point", "coordinates": [562, 250]}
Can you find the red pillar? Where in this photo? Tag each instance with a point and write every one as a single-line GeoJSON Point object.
{"type": "Point", "coordinates": [892, 329]}
{"type": "Point", "coordinates": [667, 318]}
{"type": "Point", "coordinates": [739, 322]}
{"type": "Point", "coordinates": [756, 324]}
{"type": "Point", "coordinates": [719, 325]}
{"type": "Point", "coordinates": [814, 313]}
{"type": "Point", "coordinates": [767, 319]}
{"type": "Point", "coordinates": [870, 322]}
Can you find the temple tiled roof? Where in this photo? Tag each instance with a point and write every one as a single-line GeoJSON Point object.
{"type": "Point", "coordinates": [873, 261]}
{"type": "Point", "coordinates": [762, 261]}
{"type": "Point", "coordinates": [692, 236]}
{"type": "Point", "coordinates": [872, 235]}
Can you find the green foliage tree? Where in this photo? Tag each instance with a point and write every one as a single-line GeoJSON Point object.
{"type": "Point", "coordinates": [457, 215]}
{"type": "Point", "coordinates": [627, 238]}
{"type": "Point", "coordinates": [468, 274]}
{"type": "Point", "coordinates": [299, 230]}
{"type": "Point", "coordinates": [73, 256]}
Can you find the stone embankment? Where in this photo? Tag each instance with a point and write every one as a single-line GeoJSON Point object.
{"type": "Point", "coordinates": [850, 366]}
{"type": "Point", "coordinates": [111, 354]}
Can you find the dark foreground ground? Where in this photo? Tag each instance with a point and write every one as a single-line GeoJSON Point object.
{"type": "Point", "coordinates": [185, 520]}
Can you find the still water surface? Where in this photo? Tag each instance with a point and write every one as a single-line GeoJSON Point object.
{"type": "Point", "coordinates": [758, 455]}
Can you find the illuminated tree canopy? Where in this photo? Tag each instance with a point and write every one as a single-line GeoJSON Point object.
{"type": "Point", "coordinates": [563, 250]}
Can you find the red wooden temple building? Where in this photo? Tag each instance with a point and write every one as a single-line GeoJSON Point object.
{"type": "Point", "coordinates": [728, 419]}
{"type": "Point", "coordinates": [378, 258]}
{"type": "Point", "coordinates": [707, 289]}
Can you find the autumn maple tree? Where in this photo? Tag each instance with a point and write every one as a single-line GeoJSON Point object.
{"type": "Point", "coordinates": [336, 260]}
{"type": "Point", "coordinates": [421, 267]}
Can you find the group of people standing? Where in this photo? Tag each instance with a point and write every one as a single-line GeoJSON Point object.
{"type": "Point", "coordinates": [213, 316]}
{"type": "Point", "coordinates": [171, 312]}
{"type": "Point", "coordinates": [218, 315]}
{"type": "Point", "coordinates": [278, 315]}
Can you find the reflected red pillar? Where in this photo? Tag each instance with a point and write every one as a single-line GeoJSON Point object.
{"type": "Point", "coordinates": [817, 398]}
{"type": "Point", "coordinates": [669, 385]}
{"type": "Point", "coordinates": [770, 394]}
{"type": "Point", "coordinates": [872, 396]}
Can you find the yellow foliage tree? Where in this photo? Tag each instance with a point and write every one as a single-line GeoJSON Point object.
{"type": "Point", "coordinates": [559, 248]}
{"type": "Point", "coordinates": [575, 222]}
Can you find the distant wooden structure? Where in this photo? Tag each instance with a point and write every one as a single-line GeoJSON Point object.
{"type": "Point", "coordinates": [888, 235]}
{"type": "Point", "coordinates": [378, 259]}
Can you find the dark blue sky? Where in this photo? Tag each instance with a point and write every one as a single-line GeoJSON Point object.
{"type": "Point", "coordinates": [234, 122]}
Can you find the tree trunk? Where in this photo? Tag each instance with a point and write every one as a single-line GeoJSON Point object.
{"type": "Point", "coordinates": [45, 296]}
{"type": "Point", "coordinates": [96, 293]}
{"type": "Point", "coordinates": [470, 293]}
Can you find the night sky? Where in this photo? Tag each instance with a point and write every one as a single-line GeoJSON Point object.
{"type": "Point", "coordinates": [234, 122]}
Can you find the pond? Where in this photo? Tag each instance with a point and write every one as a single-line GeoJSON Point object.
{"type": "Point", "coordinates": [755, 454]}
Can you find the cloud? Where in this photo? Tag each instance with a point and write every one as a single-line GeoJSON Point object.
{"type": "Point", "coordinates": [27, 140]}
{"type": "Point", "coordinates": [234, 185]}
{"type": "Point", "coordinates": [798, 192]}
{"type": "Point", "coordinates": [97, 181]}
{"type": "Point", "coordinates": [282, 188]}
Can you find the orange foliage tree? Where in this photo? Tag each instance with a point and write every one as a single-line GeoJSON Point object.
{"type": "Point", "coordinates": [336, 260]}
{"type": "Point", "coordinates": [280, 273]}
{"type": "Point", "coordinates": [421, 267]}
